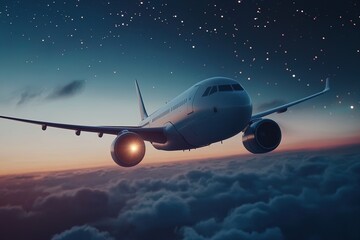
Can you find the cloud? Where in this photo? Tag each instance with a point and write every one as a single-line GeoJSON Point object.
{"type": "Point", "coordinates": [275, 196]}
{"type": "Point", "coordinates": [52, 214]}
{"type": "Point", "coordinates": [82, 200]}
{"type": "Point", "coordinates": [67, 90]}
{"type": "Point", "coordinates": [269, 234]}
{"type": "Point", "coordinates": [272, 104]}
{"type": "Point", "coordinates": [29, 94]}
{"type": "Point", "coordinates": [83, 232]}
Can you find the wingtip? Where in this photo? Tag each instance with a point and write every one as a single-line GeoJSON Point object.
{"type": "Point", "coordinates": [327, 84]}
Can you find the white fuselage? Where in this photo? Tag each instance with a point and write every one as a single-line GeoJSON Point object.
{"type": "Point", "coordinates": [210, 111]}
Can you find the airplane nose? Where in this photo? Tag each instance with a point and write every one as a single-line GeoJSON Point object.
{"type": "Point", "coordinates": [233, 109]}
{"type": "Point", "coordinates": [243, 108]}
{"type": "Point", "coordinates": [241, 100]}
{"type": "Point", "coordinates": [240, 108]}
{"type": "Point", "coordinates": [231, 113]}
{"type": "Point", "coordinates": [244, 99]}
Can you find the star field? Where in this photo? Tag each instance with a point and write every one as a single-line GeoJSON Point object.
{"type": "Point", "coordinates": [296, 41]}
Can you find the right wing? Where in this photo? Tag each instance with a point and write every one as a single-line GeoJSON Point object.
{"type": "Point", "coordinates": [283, 108]}
{"type": "Point", "coordinates": [148, 134]}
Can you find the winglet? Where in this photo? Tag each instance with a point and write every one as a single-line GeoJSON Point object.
{"type": "Point", "coordinates": [143, 112]}
{"type": "Point", "coordinates": [327, 85]}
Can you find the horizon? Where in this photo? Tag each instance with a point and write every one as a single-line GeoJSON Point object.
{"type": "Point", "coordinates": [220, 157]}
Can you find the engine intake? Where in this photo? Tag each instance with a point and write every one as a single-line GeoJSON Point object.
{"type": "Point", "coordinates": [262, 136]}
{"type": "Point", "coordinates": [128, 149]}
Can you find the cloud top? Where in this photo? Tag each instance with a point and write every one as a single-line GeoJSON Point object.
{"type": "Point", "coordinates": [276, 196]}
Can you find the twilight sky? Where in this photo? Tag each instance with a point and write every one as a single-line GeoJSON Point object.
{"type": "Point", "coordinates": [76, 62]}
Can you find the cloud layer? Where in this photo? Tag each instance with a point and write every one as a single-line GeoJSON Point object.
{"type": "Point", "coordinates": [278, 196]}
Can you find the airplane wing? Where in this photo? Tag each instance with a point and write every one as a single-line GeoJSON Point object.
{"type": "Point", "coordinates": [283, 108]}
{"type": "Point", "coordinates": [148, 134]}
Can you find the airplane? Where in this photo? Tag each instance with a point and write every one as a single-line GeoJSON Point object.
{"type": "Point", "coordinates": [210, 111]}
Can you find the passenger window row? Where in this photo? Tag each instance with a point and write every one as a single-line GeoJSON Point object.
{"type": "Point", "coordinates": [222, 88]}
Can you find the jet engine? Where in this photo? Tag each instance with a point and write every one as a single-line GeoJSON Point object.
{"type": "Point", "coordinates": [128, 149]}
{"type": "Point", "coordinates": [262, 136]}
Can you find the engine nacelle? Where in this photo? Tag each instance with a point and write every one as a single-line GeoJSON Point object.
{"type": "Point", "coordinates": [128, 149]}
{"type": "Point", "coordinates": [262, 136]}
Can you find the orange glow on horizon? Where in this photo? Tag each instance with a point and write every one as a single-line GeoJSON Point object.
{"type": "Point", "coordinates": [229, 148]}
{"type": "Point", "coordinates": [321, 144]}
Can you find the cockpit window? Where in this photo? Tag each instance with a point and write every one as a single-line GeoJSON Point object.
{"type": "Point", "coordinates": [206, 92]}
{"type": "Point", "coordinates": [222, 88]}
{"type": "Point", "coordinates": [237, 87]}
{"type": "Point", "coordinates": [213, 90]}
{"type": "Point", "coordinates": [225, 88]}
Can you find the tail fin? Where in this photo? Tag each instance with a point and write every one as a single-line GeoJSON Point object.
{"type": "Point", "coordinates": [143, 112]}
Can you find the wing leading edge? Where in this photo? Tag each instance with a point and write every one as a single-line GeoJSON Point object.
{"type": "Point", "coordinates": [148, 134]}
{"type": "Point", "coordinates": [283, 108]}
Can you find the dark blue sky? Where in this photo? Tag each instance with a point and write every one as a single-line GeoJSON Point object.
{"type": "Point", "coordinates": [278, 50]}
{"type": "Point", "coordinates": [268, 42]}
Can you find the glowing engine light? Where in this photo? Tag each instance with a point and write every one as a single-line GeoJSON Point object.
{"type": "Point", "coordinates": [134, 147]}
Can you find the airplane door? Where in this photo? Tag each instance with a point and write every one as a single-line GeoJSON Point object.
{"type": "Point", "coordinates": [190, 100]}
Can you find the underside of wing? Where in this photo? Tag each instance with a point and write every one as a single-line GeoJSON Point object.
{"type": "Point", "coordinates": [148, 134]}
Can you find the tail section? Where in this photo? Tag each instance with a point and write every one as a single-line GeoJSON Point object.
{"type": "Point", "coordinates": [143, 112]}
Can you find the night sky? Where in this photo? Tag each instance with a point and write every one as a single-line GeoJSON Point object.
{"type": "Point", "coordinates": [76, 62]}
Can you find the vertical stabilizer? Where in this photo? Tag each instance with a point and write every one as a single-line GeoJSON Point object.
{"type": "Point", "coordinates": [143, 112]}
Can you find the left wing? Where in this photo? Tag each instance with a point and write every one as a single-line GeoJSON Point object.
{"type": "Point", "coordinates": [148, 134]}
{"type": "Point", "coordinates": [283, 108]}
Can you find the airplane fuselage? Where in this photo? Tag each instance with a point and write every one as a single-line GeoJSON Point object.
{"type": "Point", "coordinates": [210, 111]}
